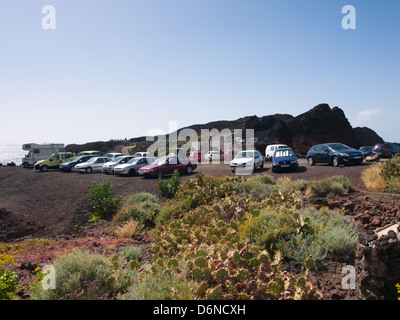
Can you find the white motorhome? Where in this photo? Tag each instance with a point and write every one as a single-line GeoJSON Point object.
{"type": "Point", "coordinates": [269, 150]}
{"type": "Point", "coordinates": [40, 152]}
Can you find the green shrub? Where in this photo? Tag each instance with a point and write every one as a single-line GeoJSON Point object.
{"type": "Point", "coordinates": [256, 189]}
{"type": "Point", "coordinates": [336, 185]}
{"type": "Point", "coordinates": [8, 284]}
{"type": "Point", "coordinates": [323, 234]}
{"type": "Point", "coordinates": [81, 275]}
{"type": "Point", "coordinates": [132, 253]}
{"type": "Point", "coordinates": [391, 168]}
{"type": "Point", "coordinates": [161, 286]}
{"type": "Point", "coordinates": [140, 197]}
{"type": "Point", "coordinates": [168, 189]}
{"type": "Point", "coordinates": [144, 212]}
{"type": "Point", "coordinates": [101, 200]}
{"type": "Point", "coordinates": [393, 185]}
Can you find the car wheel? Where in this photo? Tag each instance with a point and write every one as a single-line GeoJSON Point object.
{"type": "Point", "coordinates": [89, 170]}
{"type": "Point", "coordinates": [273, 169]}
{"type": "Point", "coordinates": [262, 165]}
{"type": "Point", "coordinates": [189, 169]}
{"type": "Point", "coordinates": [26, 165]}
{"type": "Point", "coordinates": [159, 174]}
{"type": "Point", "coordinates": [44, 169]}
{"type": "Point", "coordinates": [131, 172]}
{"type": "Point", "coordinates": [310, 161]}
{"type": "Point", "coordinates": [335, 161]}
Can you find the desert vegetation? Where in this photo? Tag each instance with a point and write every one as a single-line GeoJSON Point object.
{"type": "Point", "coordinates": [383, 176]}
{"type": "Point", "coordinates": [212, 238]}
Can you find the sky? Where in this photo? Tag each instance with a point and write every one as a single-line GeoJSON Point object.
{"type": "Point", "coordinates": [120, 69]}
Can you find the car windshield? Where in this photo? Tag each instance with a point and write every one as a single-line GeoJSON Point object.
{"type": "Point", "coordinates": [133, 160]}
{"type": "Point", "coordinates": [160, 161]}
{"type": "Point", "coordinates": [284, 153]}
{"type": "Point", "coordinates": [245, 154]}
{"type": "Point", "coordinates": [338, 146]}
{"type": "Point", "coordinates": [92, 160]}
{"type": "Point", "coordinates": [117, 159]}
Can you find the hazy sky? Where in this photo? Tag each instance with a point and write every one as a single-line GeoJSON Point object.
{"type": "Point", "coordinates": [117, 69]}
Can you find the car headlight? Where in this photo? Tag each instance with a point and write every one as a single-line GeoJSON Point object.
{"type": "Point", "coordinates": [294, 161]}
{"type": "Point", "coordinates": [344, 154]}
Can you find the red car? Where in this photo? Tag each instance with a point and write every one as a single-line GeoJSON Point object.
{"type": "Point", "coordinates": [167, 165]}
{"type": "Point", "coordinates": [196, 156]}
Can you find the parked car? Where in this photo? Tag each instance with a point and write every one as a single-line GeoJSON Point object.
{"type": "Point", "coordinates": [334, 153]}
{"type": "Point", "coordinates": [366, 150]}
{"type": "Point", "coordinates": [142, 154]}
{"type": "Point", "coordinates": [113, 155]}
{"type": "Point", "coordinates": [229, 155]}
{"type": "Point", "coordinates": [54, 161]}
{"type": "Point", "coordinates": [67, 166]}
{"type": "Point", "coordinates": [132, 166]}
{"type": "Point", "coordinates": [110, 165]}
{"type": "Point", "coordinates": [92, 165]}
{"type": "Point", "coordinates": [167, 165]}
{"type": "Point", "coordinates": [284, 159]}
{"type": "Point", "coordinates": [386, 150]}
{"type": "Point", "coordinates": [270, 149]}
{"type": "Point", "coordinates": [90, 153]}
{"type": "Point", "coordinates": [196, 156]}
{"type": "Point", "coordinates": [212, 156]}
{"type": "Point", "coordinates": [245, 162]}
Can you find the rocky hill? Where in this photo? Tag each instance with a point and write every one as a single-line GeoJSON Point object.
{"type": "Point", "coordinates": [319, 125]}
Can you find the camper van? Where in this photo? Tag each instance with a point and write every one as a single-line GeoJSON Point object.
{"type": "Point", "coordinates": [37, 152]}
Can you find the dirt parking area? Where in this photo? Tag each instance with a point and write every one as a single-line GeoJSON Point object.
{"type": "Point", "coordinates": [52, 204]}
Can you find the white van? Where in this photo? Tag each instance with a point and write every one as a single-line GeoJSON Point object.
{"type": "Point", "coordinates": [269, 150]}
{"type": "Point", "coordinates": [37, 152]}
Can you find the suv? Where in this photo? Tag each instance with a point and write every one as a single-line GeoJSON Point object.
{"type": "Point", "coordinates": [334, 153]}
{"type": "Point", "coordinates": [247, 161]}
{"type": "Point", "coordinates": [54, 161]}
{"type": "Point", "coordinates": [386, 150]}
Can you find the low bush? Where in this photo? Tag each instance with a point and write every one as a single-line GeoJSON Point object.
{"type": "Point", "coordinates": [8, 278]}
{"type": "Point", "coordinates": [140, 197]}
{"type": "Point", "coordinates": [143, 212]}
{"type": "Point", "coordinates": [323, 234]}
{"type": "Point", "coordinates": [132, 253]}
{"type": "Point", "coordinates": [81, 275]}
{"type": "Point", "coordinates": [102, 200]}
{"type": "Point", "coordinates": [391, 169]}
{"type": "Point", "coordinates": [128, 229]}
{"type": "Point", "coordinates": [336, 185]}
{"type": "Point", "coordinates": [373, 179]}
{"type": "Point", "coordinates": [393, 185]}
{"type": "Point", "coordinates": [161, 286]}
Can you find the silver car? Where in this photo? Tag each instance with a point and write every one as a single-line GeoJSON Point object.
{"type": "Point", "coordinates": [132, 166]}
{"type": "Point", "coordinates": [109, 166]}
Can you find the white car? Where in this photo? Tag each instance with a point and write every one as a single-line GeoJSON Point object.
{"type": "Point", "coordinates": [269, 150]}
{"type": "Point", "coordinates": [110, 165]}
{"type": "Point", "coordinates": [113, 155]}
{"type": "Point", "coordinates": [214, 156]}
{"type": "Point", "coordinates": [246, 162]}
{"type": "Point", "coordinates": [142, 154]}
{"type": "Point", "coordinates": [92, 165]}
{"type": "Point", "coordinates": [132, 166]}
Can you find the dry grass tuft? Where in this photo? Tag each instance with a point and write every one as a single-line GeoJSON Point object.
{"type": "Point", "coordinates": [373, 179]}
{"type": "Point", "coordinates": [128, 229]}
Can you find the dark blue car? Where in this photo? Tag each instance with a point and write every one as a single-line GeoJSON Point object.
{"type": "Point", "coordinates": [334, 154]}
{"type": "Point", "coordinates": [67, 166]}
{"type": "Point", "coordinates": [366, 150]}
{"type": "Point", "coordinates": [284, 158]}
